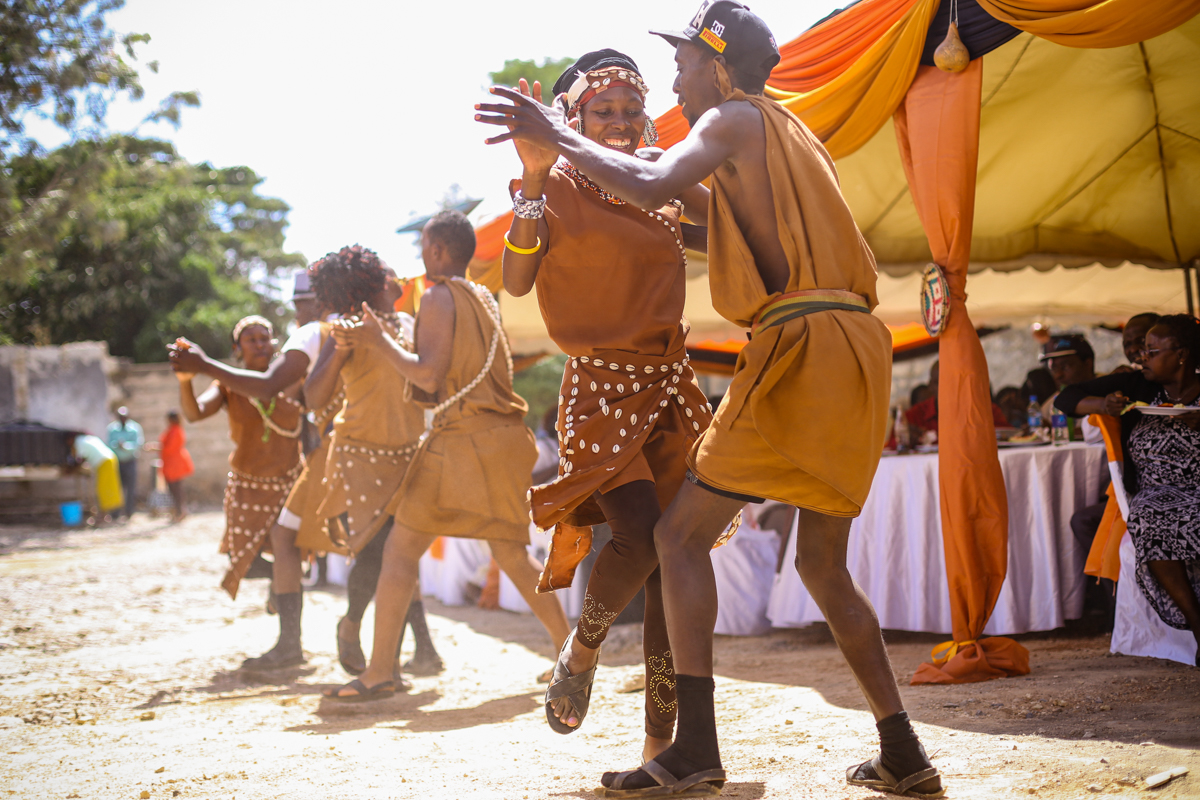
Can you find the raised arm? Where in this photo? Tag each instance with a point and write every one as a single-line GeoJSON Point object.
{"type": "Point", "coordinates": [1108, 394]}
{"type": "Point", "coordinates": [197, 408]}
{"type": "Point", "coordinates": [425, 368]}
{"type": "Point", "coordinates": [646, 184]}
{"type": "Point", "coordinates": [521, 268]}
{"type": "Point", "coordinates": [318, 389]}
{"type": "Point", "coordinates": [282, 372]}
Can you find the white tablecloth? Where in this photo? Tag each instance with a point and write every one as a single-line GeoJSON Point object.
{"type": "Point", "coordinates": [895, 549]}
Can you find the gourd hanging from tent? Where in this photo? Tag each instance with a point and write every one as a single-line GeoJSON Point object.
{"type": "Point", "coordinates": [951, 55]}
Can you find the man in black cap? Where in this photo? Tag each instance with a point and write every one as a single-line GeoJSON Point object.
{"type": "Point", "coordinates": [805, 417]}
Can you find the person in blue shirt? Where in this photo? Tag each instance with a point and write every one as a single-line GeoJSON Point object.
{"type": "Point", "coordinates": [125, 438]}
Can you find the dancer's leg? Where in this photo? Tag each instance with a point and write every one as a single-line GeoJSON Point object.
{"type": "Point", "coordinates": [620, 570]}
{"type": "Point", "coordinates": [360, 585]}
{"type": "Point", "coordinates": [394, 591]}
{"type": "Point", "coordinates": [522, 570]}
{"type": "Point", "coordinates": [660, 673]}
{"type": "Point", "coordinates": [287, 569]}
{"type": "Point", "coordinates": [683, 537]}
{"type": "Point", "coordinates": [821, 561]}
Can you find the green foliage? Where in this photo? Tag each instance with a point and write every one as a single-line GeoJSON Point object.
{"type": "Point", "coordinates": [60, 61]}
{"type": "Point", "coordinates": [539, 385]}
{"type": "Point", "coordinates": [150, 247]}
{"type": "Point", "coordinates": [547, 73]}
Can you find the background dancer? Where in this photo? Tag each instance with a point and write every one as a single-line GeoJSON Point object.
{"type": "Point", "coordinates": [610, 281]}
{"type": "Point", "coordinates": [471, 474]}
{"type": "Point", "coordinates": [266, 455]}
{"type": "Point", "coordinates": [374, 435]}
{"type": "Point", "coordinates": [805, 417]}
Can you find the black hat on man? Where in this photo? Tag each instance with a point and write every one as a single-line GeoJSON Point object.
{"type": "Point", "coordinates": [729, 29]}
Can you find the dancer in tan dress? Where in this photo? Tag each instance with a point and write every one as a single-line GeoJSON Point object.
{"type": "Point", "coordinates": [265, 461]}
{"type": "Point", "coordinates": [470, 475]}
{"type": "Point", "coordinates": [374, 435]}
{"type": "Point", "coordinates": [610, 284]}
{"type": "Point", "coordinates": [805, 417]}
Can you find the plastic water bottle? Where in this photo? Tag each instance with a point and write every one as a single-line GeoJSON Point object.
{"type": "Point", "coordinates": [1059, 432]}
{"type": "Point", "coordinates": [1033, 416]}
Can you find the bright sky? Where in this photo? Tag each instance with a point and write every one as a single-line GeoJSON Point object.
{"type": "Point", "coordinates": [359, 113]}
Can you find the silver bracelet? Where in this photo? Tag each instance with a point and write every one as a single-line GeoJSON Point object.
{"type": "Point", "coordinates": [528, 209]}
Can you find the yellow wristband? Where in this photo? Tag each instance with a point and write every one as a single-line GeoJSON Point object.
{"type": "Point", "coordinates": [524, 251]}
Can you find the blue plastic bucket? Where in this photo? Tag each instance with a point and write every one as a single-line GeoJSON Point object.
{"type": "Point", "coordinates": [72, 513]}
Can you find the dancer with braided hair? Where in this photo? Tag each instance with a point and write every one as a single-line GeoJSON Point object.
{"type": "Point", "coordinates": [374, 435]}
{"type": "Point", "coordinates": [470, 474]}
{"type": "Point", "coordinates": [1162, 463]}
{"type": "Point", "coordinates": [266, 435]}
{"type": "Point", "coordinates": [610, 281]}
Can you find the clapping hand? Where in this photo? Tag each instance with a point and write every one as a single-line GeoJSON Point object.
{"type": "Point", "coordinates": [187, 358]}
{"type": "Point", "coordinates": [530, 124]}
{"type": "Point", "coordinates": [349, 335]}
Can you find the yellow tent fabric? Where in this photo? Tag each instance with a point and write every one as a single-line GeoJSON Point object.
{"type": "Point", "coordinates": [1099, 23]}
{"type": "Point", "coordinates": [1085, 155]}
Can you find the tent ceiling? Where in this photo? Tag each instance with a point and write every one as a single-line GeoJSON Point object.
{"type": "Point", "coordinates": [1084, 155]}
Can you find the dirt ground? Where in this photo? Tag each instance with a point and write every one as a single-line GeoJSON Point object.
{"type": "Point", "coordinates": [118, 651]}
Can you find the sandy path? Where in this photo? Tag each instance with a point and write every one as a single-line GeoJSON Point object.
{"type": "Point", "coordinates": [100, 628]}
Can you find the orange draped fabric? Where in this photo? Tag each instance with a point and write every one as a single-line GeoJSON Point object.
{"type": "Point", "coordinates": [1104, 559]}
{"type": "Point", "coordinates": [938, 131]}
{"type": "Point", "coordinates": [485, 267]}
{"type": "Point", "coordinates": [1093, 23]}
{"type": "Point", "coordinates": [846, 76]}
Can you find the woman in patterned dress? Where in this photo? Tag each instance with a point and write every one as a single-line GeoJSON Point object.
{"type": "Point", "coordinates": [1162, 464]}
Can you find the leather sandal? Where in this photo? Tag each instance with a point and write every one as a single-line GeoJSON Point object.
{"type": "Point", "coordinates": [885, 781]}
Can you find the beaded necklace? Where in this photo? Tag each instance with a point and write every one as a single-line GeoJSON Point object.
{"type": "Point", "coordinates": [572, 172]}
{"type": "Point", "coordinates": [269, 424]}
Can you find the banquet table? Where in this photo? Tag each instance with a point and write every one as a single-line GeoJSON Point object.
{"type": "Point", "coordinates": [895, 547]}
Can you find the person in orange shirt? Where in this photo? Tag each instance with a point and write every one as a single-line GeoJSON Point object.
{"type": "Point", "coordinates": [176, 462]}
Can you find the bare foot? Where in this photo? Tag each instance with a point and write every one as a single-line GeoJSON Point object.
{"type": "Point", "coordinates": [579, 659]}
{"type": "Point", "coordinates": [653, 747]}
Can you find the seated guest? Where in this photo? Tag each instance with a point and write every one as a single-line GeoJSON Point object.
{"type": "Point", "coordinates": [1013, 405]}
{"type": "Point", "coordinates": [1039, 383]}
{"type": "Point", "coordinates": [1162, 464]}
{"type": "Point", "coordinates": [1070, 360]}
{"type": "Point", "coordinates": [919, 394]}
{"type": "Point", "coordinates": [924, 415]}
{"type": "Point", "coordinates": [1133, 339]}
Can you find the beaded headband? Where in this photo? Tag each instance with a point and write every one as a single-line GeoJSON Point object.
{"type": "Point", "coordinates": [246, 322]}
{"type": "Point", "coordinates": [590, 84]}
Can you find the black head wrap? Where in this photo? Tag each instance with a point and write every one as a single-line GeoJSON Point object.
{"type": "Point", "coordinates": [597, 59]}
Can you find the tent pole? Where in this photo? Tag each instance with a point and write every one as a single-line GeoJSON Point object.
{"type": "Point", "coordinates": [1187, 287]}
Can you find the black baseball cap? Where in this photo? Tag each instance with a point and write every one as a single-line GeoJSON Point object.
{"type": "Point", "coordinates": [1069, 344]}
{"type": "Point", "coordinates": [728, 28]}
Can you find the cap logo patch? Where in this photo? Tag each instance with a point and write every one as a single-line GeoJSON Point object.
{"type": "Point", "coordinates": [698, 20]}
{"type": "Point", "coordinates": [714, 41]}
{"type": "Point", "coordinates": [718, 28]}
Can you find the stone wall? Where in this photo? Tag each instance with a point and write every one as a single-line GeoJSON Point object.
{"type": "Point", "coordinates": [149, 391]}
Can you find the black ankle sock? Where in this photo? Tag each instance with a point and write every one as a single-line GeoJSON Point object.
{"type": "Point", "coordinates": [900, 749]}
{"type": "Point", "coordinates": [695, 747]}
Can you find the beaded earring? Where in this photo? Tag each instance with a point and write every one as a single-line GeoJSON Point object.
{"type": "Point", "coordinates": [650, 135]}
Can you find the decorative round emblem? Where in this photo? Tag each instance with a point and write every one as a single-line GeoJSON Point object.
{"type": "Point", "coordinates": [935, 300]}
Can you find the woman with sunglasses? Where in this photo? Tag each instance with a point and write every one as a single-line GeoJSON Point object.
{"type": "Point", "coordinates": [1162, 464]}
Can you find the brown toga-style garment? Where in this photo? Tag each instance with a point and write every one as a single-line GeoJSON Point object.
{"type": "Point", "coordinates": [262, 468]}
{"type": "Point", "coordinates": [611, 290]}
{"type": "Point", "coordinates": [805, 417]}
{"type": "Point", "coordinates": [374, 437]}
{"type": "Point", "coordinates": [470, 477]}
{"type": "Point", "coordinates": [309, 489]}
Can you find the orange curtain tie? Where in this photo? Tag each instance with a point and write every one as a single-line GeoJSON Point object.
{"type": "Point", "coordinates": [948, 650]}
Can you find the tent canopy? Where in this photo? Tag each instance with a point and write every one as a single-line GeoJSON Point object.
{"type": "Point", "coordinates": [1084, 156]}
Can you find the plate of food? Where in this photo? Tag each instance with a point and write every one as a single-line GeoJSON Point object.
{"type": "Point", "coordinates": [1167, 411]}
{"type": "Point", "coordinates": [1028, 440]}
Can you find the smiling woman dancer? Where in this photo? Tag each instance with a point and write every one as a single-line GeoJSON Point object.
{"type": "Point", "coordinates": [610, 283]}
{"type": "Point", "coordinates": [266, 455]}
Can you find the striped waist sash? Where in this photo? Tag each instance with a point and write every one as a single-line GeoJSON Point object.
{"type": "Point", "coordinates": [809, 301]}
